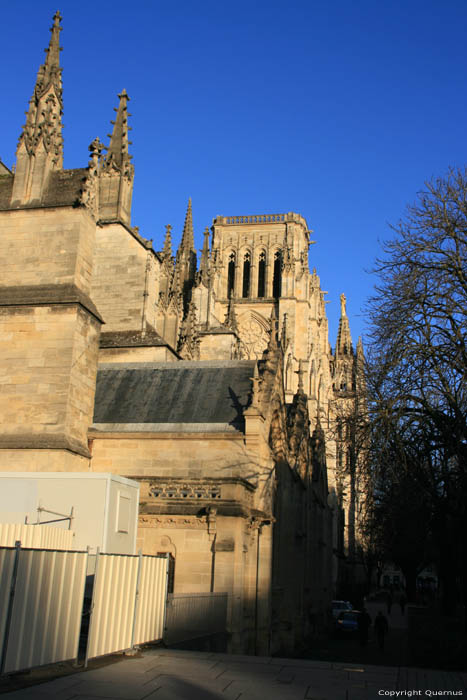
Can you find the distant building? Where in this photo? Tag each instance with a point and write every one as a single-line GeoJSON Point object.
{"type": "Point", "coordinates": [212, 385]}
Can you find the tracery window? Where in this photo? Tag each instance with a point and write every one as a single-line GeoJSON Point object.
{"type": "Point", "coordinates": [231, 275]}
{"type": "Point", "coordinates": [246, 275]}
{"type": "Point", "coordinates": [262, 275]}
{"type": "Point", "coordinates": [277, 275]}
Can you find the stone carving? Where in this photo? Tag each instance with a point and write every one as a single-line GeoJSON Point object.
{"type": "Point", "coordinates": [254, 336]}
{"type": "Point", "coordinates": [90, 193]}
{"type": "Point", "coordinates": [158, 521]}
{"type": "Point", "coordinates": [185, 491]}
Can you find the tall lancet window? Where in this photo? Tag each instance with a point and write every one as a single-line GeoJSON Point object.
{"type": "Point", "coordinates": [246, 275]}
{"type": "Point", "coordinates": [276, 279]}
{"type": "Point", "coordinates": [262, 275]}
{"type": "Point", "coordinates": [231, 276]}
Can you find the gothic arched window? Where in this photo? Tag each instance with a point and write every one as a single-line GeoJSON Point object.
{"type": "Point", "coordinates": [262, 274]}
{"type": "Point", "coordinates": [277, 274]}
{"type": "Point", "coordinates": [246, 275]}
{"type": "Point", "coordinates": [231, 275]}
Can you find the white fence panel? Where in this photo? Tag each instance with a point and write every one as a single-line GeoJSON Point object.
{"type": "Point", "coordinates": [7, 563]}
{"type": "Point", "coordinates": [193, 615]}
{"type": "Point", "coordinates": [46, 614]}
{"type": "Point", "coordinates": [35, 536]}
{"type": "Point", "coordinates": [150, 614]}
{"type": "Point", "coordinates": [113, 604]}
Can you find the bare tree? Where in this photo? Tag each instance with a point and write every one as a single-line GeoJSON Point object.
{"type": "Point", "coordinates": [419, 367]}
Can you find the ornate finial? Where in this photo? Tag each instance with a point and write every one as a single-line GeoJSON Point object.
{"type": "Point", "coordinates": [343, 302]}
{"type": "Point", "coordinates": [95, 150]}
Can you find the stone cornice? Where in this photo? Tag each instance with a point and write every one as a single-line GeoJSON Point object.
{"type": "Point", "coordinates": [46, 295]}
{"type": "Point", "coordinates": [33, 441]}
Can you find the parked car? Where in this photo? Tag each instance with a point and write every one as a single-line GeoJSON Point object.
{"type": "Point", "coordinates": [338, 606]}
{"type": "Point", "coordinates": [347, 622]}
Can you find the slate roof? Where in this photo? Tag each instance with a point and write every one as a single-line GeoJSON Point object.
{"type": "Point", "coordinates": [173, 396]}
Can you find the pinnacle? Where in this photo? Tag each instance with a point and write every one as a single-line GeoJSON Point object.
{"type": "Point", "coordinates": [344, 339]}
{"type": "Point", "coordinates": [45, 106]}
{"type": "Point", "coordinates": [117, 152]}
{"type": "Point", "coordinates": [187, 243]}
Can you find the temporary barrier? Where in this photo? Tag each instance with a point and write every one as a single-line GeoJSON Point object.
{"type": "Point", "coordinates": [128, 602]}
{"type": "Point", "coordinates": [35, 536]}
{"type": "Point", "coordinates": [194, 615]}
{"type": "Point", "coordinates": [152, 593]}
{"type": "Point", "coordinates": [113, 604]}
{"type": "Point", "coordinates": [44, 608]}
{"type": "Point", "coordinates": [41, 604]}
{"type": "Point", "coordinates": [8, 564]}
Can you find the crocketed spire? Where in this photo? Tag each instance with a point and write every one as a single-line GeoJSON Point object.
{"type": "Point", "coordinates": [117, 152]}
{"type": "Point", "coordinates": [166, 254]}
{"type": "Point", "coordinates": [187, 244]}
{"type": "Point", "coordinates": [344, 339]}
{"type": "Point", "coordinates": [40, 145]}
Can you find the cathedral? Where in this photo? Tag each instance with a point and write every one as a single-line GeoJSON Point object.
{"type": "Point", "coordinates": [211, 383]}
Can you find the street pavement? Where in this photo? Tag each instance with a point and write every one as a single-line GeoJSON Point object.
{"type": "Point", "coordinates": [165, 674]}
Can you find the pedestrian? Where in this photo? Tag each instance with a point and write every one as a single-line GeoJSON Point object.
{"type": "Point", "coordinates": [381, 629]}
{"type": "Point", "coordinates": [402, 602]}
{"type": "Point", "coordinates": [363, 622]}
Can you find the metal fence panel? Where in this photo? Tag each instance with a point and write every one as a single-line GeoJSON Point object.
{"type": "Point", "coordinates": [194, 615]}
{"type": "Point", "coordinates": [150, 613]}
{"type": "Point", "coordinates": [7, 562]}
{"type": "Point", "coordinates": [47, 606]}
{"type": "Point", "coordinates": [113, 604]}
{"type": "Point", "coordinates": [35, 536]}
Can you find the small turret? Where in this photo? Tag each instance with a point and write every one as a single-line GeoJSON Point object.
{"type": "Point", "coordinates": [117, 172]}
{"type": "Point", "coordinates": [40, 145]}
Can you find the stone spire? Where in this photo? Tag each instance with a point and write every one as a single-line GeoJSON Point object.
{"type": "Point", "coordinates": [203, 272]}
{"type": "Point", "coordinates": [185, 261]}
{"type": "Point", "coordinates": [117, 152]}
{"type": "Point", "coordinates": [187, 243]}
{"type": "Point", "coordinates": [344, 339]}
{"type": "Point", "coordinates": [166, 253]}
{"type": "Point", "coordinates": [117, 172]}
{"type": "Point", "coordinates": [40, 145]}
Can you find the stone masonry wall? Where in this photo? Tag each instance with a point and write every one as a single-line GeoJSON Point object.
{"type": "Point", "coordinates": [124, 283]}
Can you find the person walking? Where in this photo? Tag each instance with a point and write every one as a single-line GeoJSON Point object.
{"type": "Point", "coordinates": [381, 629]}
{"type": "Point", "coordinates": [363, 622]}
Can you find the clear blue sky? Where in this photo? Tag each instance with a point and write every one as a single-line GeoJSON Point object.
{"type": "Point", "coordinates": [338, 110]}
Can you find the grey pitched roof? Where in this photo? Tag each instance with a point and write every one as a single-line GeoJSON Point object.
{"type": "Point", "coordinates": [180, 396]}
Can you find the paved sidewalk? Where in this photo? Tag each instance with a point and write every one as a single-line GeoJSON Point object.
{"type": "Point", "coordinates": [162, 674]}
